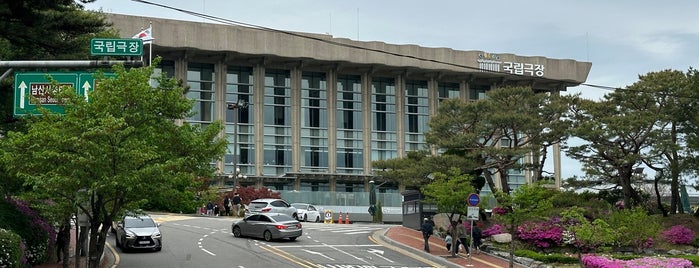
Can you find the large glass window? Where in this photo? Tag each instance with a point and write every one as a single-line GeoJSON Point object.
{"type": "Point", "coordinates": [477, 92]}
{"type": "Point", "coordinates": [417, 114]}
{"type": "Point", "coordinates": [200, 79]}
{"type": "Point", "coordinates": [349, 124]}
{"type": "Point", "coordinates": [383, 110]}
{"type": "Point", "coordinates": [239, 91]}
{"type": "Point", "coordinates": [448, 90]}
{"type": "Point", "coordinates": [314, 122]}
{"type": "Point", "coordinates": [277, 118]}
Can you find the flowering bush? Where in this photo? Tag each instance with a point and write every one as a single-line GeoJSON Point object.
{"type": "Point", "coordinates": [678, 235]}
{"type": "Point", "coordinates": [36, 233]}
{"type": "Point", "coordinates": [541, 234]}
{"type": "Point", "coordinates": [11, 249]}
{"type": "Point", "coordinates": [499, 211]}
{"type": "Point", "coordinates": [592, 261]}
{"type": "Point", "coordinates": [493, 230]}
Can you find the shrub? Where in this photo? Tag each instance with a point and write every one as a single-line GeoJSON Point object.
{"type": "Point", "coordinates": [546, 258]}
{"type": "Point", "coordinates": [11, 248]}
{"type": "Point", "coordinates": [35, 232]}
{"type": "Point", "coordinates": [493, 230]}
{"type": "Point", "coordinates": [541, 234]}
{"type": "Point", "coordinates": [592, 261]}
{"type": "Point", "coordinates": [678, 235]}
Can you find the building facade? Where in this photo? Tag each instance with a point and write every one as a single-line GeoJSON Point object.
{"type": "Point", "coordinates": [310, 112]}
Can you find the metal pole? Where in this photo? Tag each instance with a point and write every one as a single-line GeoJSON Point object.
{"type": "Point", "coordinates": [235, 143]}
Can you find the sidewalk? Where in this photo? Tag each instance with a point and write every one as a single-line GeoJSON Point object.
{"type": "Point", "coordinates": [107, 261]}
{"type": "Point", "coordinates": [411, 240]}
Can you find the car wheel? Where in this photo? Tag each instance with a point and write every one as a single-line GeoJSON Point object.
{"type": "Point", "coordinates": [293, 238]}
{"type": "Point", "coordinates": [305, 217]}
{"type": "Point", "coordinates": [267, 236]}
{"type": "Point", "coordinates": [295, 216]}
{"type": "Point", "coordinates": [236, 232]}
{"type": "Point", "coordinates": [317, 218]}
{"type": "Point", "coordinates": [117, 242]}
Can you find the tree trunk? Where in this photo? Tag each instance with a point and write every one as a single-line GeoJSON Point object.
{"type": "Point", "coordinates": [657, 193]}
{"type": "Point", "coordinates": [98, 239]}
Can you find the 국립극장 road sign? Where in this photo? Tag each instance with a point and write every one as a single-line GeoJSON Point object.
{"type": "Point", "coordinates": [116, 47]}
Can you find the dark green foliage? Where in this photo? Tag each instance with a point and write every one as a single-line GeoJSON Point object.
{"type": "Point", "coordinates": [546, 257]}
{"type": "Point", "coordinates": [10, 249]}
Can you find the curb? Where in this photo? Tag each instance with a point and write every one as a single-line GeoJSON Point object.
{"type": "Point", "coordinates": [429, 259]}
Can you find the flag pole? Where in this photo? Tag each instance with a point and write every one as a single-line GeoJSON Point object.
{"type": "Point", "coordinates": [150, 46]}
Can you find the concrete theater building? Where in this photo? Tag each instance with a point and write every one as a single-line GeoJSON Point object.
{"type": "Point", "coordinates": [308, 113]}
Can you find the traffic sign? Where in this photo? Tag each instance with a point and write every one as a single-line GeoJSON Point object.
{"type": "Point", "coordinates": [472, 214]}
{"type": "Point", "coordinates": [116, 47]}
{"type": "Point", "coordinates": [38, 85]}
{"type": "Point", "coordinates": [474, 200]}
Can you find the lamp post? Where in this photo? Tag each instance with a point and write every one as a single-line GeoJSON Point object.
{"type": "Point", "coordinates": [235, 107]}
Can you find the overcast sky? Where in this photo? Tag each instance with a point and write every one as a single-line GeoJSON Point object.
{"type": "Point", "coordinates": [623, 38]}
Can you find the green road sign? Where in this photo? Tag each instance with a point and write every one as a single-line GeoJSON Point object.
{"type": "Point", "coordinates": [37, 85]}
{"type": "Point", "coordinates": [116, 47]}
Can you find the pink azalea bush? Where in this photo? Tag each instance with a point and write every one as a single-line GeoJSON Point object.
{"type": "Point", "coordinates": [499, 211]}
{"type": "Point", "coordinates": [678, 235]}
{"type": "Point", "coordinates": [493, 230]}
{"type": "Point", "coordinates": [541, 234]}
{"type": "Point", "coordinates": [593, 261]}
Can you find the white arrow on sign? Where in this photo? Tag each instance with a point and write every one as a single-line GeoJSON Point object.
{"type": "Point", "coordinates": [86, 87]}
{"type": "Point", "coordinates": [379, 254]}
{"type": "Point", "coordinates": [22, 87]}
{"type": "Point", "coordinates": [318, 253]}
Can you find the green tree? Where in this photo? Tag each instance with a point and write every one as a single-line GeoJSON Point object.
{"type": "Point", "coordinates": [41, 30]}
{"type": "Point", "coordinates": [528, 202]}
{"type": "Point", "coordinates": [638, 228]}
{"type": "Point", "coordinates": [450, 191]}
{"type": "Point", "coordinates": [642, 124]}
{"type": "Point", "coordinates": [500, 130]}
{"type": "Point", "coordinates": [585, 235]}
{"type": "Point", "coordinates": [110, 154]}
{"type": "Point", "coordinates": [415, 169]}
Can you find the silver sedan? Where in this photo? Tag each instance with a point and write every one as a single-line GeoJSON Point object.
{"type": "Point", "coordinates": [268, 226]}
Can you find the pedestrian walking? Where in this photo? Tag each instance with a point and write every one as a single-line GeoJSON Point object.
{"type": "Point", "coordinates": [209, 208]}
{"type": "Point", "coordinates": [236, 204]}
{"type": "Point", "coordinates": [477, 236]}
{"type": "Point", "coordinates": [463, 236]}
{"type": "Point", "coordinates": [427, 229]}
{"type": "Point", "coordinates": [227, 205]}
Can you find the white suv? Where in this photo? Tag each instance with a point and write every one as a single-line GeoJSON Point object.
{"type": "Point", "coordinates": [270, 205]}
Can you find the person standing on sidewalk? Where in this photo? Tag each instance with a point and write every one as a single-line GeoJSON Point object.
{"type": "Point", "coordinates": [227, 205]}
{"type": "Point", "coordinates": [427, 229]}
{"type": "Point", "coordinates": [463, 236]}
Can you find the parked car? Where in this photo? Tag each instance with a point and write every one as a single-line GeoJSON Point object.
{"type": "Point", "coordinates": [138, 232]}
{"type": "Point", "coordinates": [268, 226]}
{"type": "Point", "coordinates": [271, 205]}
{"type": "Point", "coordinates": [307, 212]}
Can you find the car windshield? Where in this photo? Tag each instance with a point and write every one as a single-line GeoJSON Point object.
{"type": "Point", "coordinates": [139, 223]}
{"type": "Point", "coordinates": [282, 217]}
{"type": "Point", "coordinates": [300, 206]}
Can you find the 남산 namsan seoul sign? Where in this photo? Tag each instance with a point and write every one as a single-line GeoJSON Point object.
{"type": "Point", "coordinates": [492, 62]}
{"type": "Point", "coordinates": [33, 89]}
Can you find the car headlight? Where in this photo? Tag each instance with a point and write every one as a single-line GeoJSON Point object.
{"type": "Point", "coordinates": [155, 235]}
{"type": "Point", "coordinates": [130, 235]}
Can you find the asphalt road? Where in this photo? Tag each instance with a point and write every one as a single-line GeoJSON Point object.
{"type": "Point", "coordinates": [208, 242]}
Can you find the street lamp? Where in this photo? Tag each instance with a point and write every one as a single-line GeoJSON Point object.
{"type": "Point", "coordinates": [235, 106]}
{"type": "Point", "coordinates": [236, 175]}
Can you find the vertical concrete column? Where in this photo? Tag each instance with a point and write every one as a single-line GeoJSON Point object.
{"type": "Point", "coordinates": [296, 121]}
{"type": "Point", "coordinates": [557, 152]}
{"type": "Point", "coordinates": [220, 107]}
{"type": "Point", "coordinates": [181, 75]}
{"type": "Point", "coordinates": [432, 100]}
{"type": "Point", "coordinates": [331, 77]}
{"type": "Point", "coordinates": [400, 114]}
{"type": "Point", "coordinates": [463, 90]}
{"type": "Point", "coordinates": [366, 115]}
{"type": "Point", "coordinates": [258, 98]}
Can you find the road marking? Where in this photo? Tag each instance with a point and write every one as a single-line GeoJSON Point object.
{"type": "Point", "coordinates": [319, 254]}
{"type": "Point", "coordinates": [379, 253]}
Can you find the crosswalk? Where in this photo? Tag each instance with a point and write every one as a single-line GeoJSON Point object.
{"type": "Point", "coordinates": [349, 229]}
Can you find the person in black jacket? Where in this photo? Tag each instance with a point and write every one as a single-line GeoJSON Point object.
{"type": "Point", "coordinates": [427, 229]}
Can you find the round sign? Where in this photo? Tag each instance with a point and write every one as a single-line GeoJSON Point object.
{"type": "Point", "coordinates": [473, 200]}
